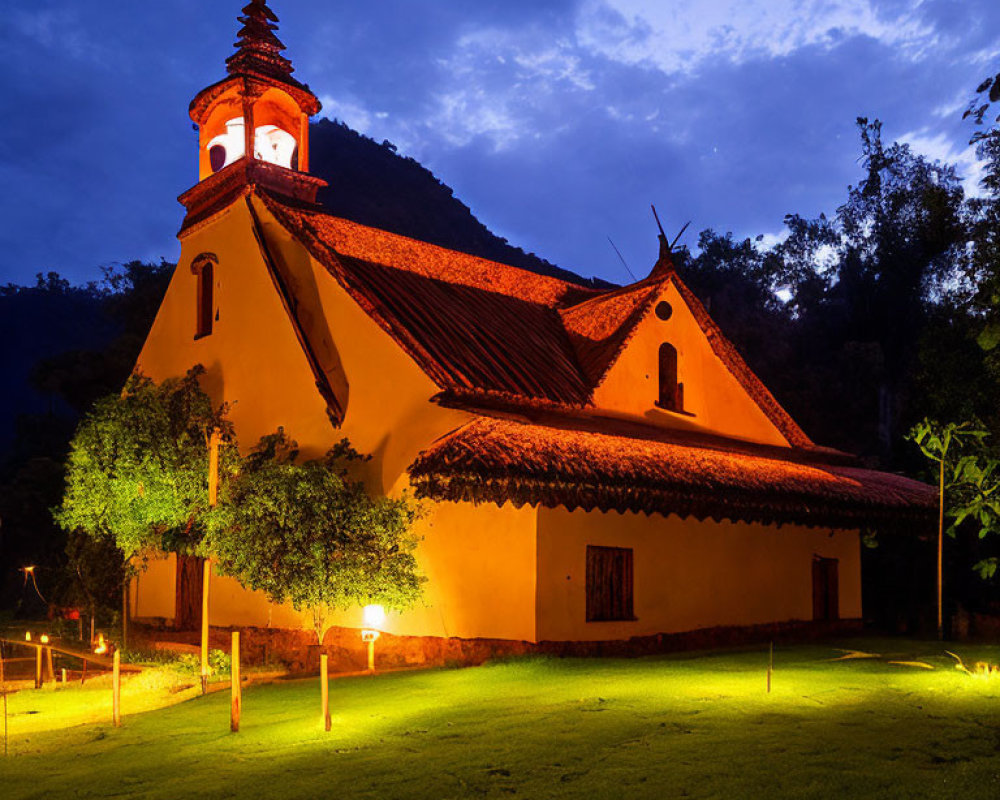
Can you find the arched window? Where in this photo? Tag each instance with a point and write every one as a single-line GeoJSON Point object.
{"type": "Point", "coordinates": [671, 392]}
{"type": "Point", "coordinates": [203, 268]}
{"type": "Point", "coordinates": [217, 157]}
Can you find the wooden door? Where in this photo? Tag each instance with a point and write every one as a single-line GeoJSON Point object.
{"type": "Point", "coordinates": [826, 584]}
{"type": "Point", "coordinates": [190, 575]}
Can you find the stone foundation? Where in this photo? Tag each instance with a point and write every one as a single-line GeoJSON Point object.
{"type": "Point", "coordinates": [298, 651]}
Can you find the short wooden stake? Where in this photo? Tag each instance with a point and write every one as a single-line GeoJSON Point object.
{"type": "Point", "coordinates": [770, 667]}
{"type": "Point", "coordinates": [48, 664]}
{"type": "Point", "coordinates": [324, 689]}
{"type": "Point", "coordinates": [38, 666]}
{"type": "Point", "coordinates": [236, 688]}
{"type": "Point", "coordinates": [371, 655]}
{"type": "Point", "coordinates": [116, 690]}
{"type": "Point", "coordinates": [64, 676]}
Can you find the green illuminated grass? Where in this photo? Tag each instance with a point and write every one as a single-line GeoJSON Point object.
{"type": "Point", "coordinates": [679, 726]}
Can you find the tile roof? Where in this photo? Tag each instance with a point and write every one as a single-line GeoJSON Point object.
{"type": "Point", "coordinates": [609, 466]}
{"type": "Point", "coordinates": [471, 324]}
{"type": "Point", "coordinates": [534, 339]}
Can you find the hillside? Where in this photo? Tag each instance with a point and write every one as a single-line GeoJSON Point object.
{"type": "Point", "coordinates": [372, 184]}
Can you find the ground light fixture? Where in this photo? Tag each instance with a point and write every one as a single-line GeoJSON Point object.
{"type": "Point", "coordinates": [374, 618]}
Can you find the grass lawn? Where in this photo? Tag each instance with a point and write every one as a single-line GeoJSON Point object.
{"type": "Point", "coordinates": [665, 727]}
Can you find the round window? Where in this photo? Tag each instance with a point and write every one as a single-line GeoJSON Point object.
{"type": "Point", "coordinates": [664, 311]}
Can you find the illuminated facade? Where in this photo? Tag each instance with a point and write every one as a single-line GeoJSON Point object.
{"type": "Point", "coordinates": [595, 464]}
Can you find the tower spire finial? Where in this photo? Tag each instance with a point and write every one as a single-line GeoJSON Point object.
{"type": "Point", "coordinates": [258, 48]}
{"type": "Point", "coordinates": [665, 262]}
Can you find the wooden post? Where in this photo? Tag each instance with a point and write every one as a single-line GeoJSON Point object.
{"type": "Point", "coordinates": [213, 468]}
{"type": "Point", "coordinates": [38, 666]}
{"type": "Point", "coordinates": [64, 676]}
{"type": "Point", "coordinates": [48, 664]}
{"type": "Point", "coordinates": [206, 576]}
{"type": "Point", "coordinates": [213, 499]}
{"type": "Point", "coordinates": [124, 615]}
{"type": "Point", "coordinates": [324, 689]}
{"type": "Point", "coordinates": [91, 628]}
{"type": "Point", "coordinates": [3, 690]}
{"type": "Point", "coordinates": [116, 690]}
{"type": "Point", "coordinates": [371, 655]}
{"type": "Point", "coordinates": [940, 556]}
{"type": "Point", "coordinates": [236, 688]}
{"type": "Point", "coordinates": [770, 666]}
{"type": "Point", "coordinates": [79, 627]}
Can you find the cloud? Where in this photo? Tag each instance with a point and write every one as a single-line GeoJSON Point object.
{"type": "Point", "coordinates": [61, 30]}
{"type": "Point", "coordinates": [940, 147]}
{"type": "Point", "coordinates": [677, 37]}
{"type": "Point", "coordinates": [496, 84]}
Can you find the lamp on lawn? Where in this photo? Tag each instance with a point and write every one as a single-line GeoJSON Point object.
{"type": "Point", "coordinates": [374, 618]}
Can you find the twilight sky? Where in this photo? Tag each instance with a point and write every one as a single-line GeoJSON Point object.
{"type": "Point", "coordinates": [556, 121]}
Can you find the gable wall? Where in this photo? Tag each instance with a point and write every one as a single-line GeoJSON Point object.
{"type": "Point", "coordinates": [714, 401]}
{"type": "Point", "coordinates": [252, 358]}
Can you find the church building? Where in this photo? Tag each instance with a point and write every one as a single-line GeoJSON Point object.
{"type": "Point", "coordinates": [595, 465]}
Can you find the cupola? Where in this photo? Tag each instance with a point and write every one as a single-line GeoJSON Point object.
{"type": "Point", "coordinates": [255, 122]}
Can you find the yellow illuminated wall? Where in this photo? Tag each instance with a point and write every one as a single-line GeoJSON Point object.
{"type": "Point", "coordinates": [688, 574]}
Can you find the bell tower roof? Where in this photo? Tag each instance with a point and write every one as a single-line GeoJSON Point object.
{"type": "Point", "coordinates": [257, 65]}
{"type": "Point", "coordinates": [253, 125]}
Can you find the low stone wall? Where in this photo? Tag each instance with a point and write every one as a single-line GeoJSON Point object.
{"type": "Point", "coordinates": [298, 650]}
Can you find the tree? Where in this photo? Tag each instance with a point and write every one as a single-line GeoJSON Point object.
{"type": "Point", "coordinates": [935, 442]}
{"type": "Point", "coordinates": [976, 482]}
{"type": "Point", "coordinates": [137, 471]}
{"type": "Point", "coordinates": [95, 574]}
{"type": "Point", "coordinates": [308, 534]}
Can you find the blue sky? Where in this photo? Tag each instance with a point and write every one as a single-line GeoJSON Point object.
{"type": "Point", "coordinates": [556, 121]}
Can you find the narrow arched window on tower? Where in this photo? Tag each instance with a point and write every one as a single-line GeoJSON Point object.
{"type": "Point", "coordinates": [671, 392]}
{"type": "Point", "coordinates": [204, 272]}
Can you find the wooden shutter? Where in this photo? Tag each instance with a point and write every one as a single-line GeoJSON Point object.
{"type": "Point", "coordinates": [609, 584]}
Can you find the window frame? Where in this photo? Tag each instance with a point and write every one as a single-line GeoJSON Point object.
{"type": "Point", "coordinates": [670, 390]}
{"type": "Point", "coordinates": [203, 268]}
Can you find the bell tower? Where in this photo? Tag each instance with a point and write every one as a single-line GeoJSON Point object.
{"type": "Point", "coordinates": [253, 125]}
